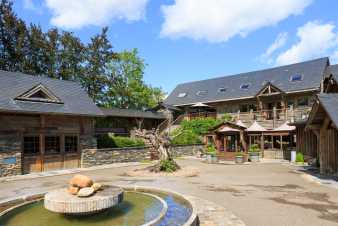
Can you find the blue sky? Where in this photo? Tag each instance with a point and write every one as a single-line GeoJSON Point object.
{"type": "Point", "coordinates": [187, 40]}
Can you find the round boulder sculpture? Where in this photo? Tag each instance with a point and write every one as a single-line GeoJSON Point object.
{"type": "Point", "coordinates": [83, 196]}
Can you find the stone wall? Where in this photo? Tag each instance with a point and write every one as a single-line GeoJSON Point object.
{"type": "Point", "coordinates": [187, 150]}
{"type": "Point", "coordinates": [10, 154]}
{"type": "Point", "coordinates": [94, 157]}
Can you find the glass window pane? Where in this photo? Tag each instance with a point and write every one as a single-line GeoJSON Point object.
{"type": "Point", "coordinates": [52, 144]}
{"type": "Point", "coordinates": [31, 144]}
{"type": "Point", "coordinates": [71, 144]}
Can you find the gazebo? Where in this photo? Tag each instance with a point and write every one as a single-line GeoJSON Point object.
{"type": "Point", "coordinates": [228, 138]}
{"type": "Point", "coordinates": [256, 134]}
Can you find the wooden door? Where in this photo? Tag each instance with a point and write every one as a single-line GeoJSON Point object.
{"type": "Point", "coordinates": [32, 163]}
{"type": "Point", "coordinates": [71, 160]}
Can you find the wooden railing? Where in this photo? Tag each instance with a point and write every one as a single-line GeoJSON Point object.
{"type": "Point", "coordinates": [191, 116]}
{"type": "Point", "coordinates": [275, 114]}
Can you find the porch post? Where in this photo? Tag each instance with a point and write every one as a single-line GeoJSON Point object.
{"type": "Point", "coordinates": [262, 144]}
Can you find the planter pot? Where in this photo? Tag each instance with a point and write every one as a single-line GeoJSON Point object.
{"type": "Point", "coordinates": [293, 156]}
{"type": "Point", "coordinates": [239, 159]}
{"type": "Point", "coordinates": [254, 156]}
{"type": "Point", "coordinates": [211, 159]}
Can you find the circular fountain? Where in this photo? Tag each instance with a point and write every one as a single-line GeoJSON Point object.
{"type": "Point", "coordinates": [83, 197]}
{"type": "Point", "coordinates": [85, 203]}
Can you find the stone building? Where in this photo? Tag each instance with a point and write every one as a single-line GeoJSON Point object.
{"type": "Point", "coordinates": [44, 123]}
{"type": "Point", "coordinates": [271, 98]}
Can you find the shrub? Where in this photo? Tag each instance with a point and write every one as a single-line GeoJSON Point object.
{"type": "Point", "coordinates": [254, 148]}
{"type": "Point", "coordinates": [211, 150]}
{"type": "Point", "coordinates": [185, 138]}
{"type": "Point", "coordinates": [122, 142]}
{"type": "Point", "coordinates": [239, 154]}
{"type": "Point", "coordinates": [168, 166]}
{"type": "Point", "coordinates": [299, 157]}
{"type": "Point", "coordinates": [111, 141]}
{"type": "Point", "coordinates": [226, 117]}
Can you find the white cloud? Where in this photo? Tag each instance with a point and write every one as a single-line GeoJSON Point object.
{"type": "Point", "coordinates": [79, 13]}
{"type": "Point", "coordinates": [315, 40]}
{"type": "Point", "coordinates": [277, 44]}
{"type": "Point", "coordinates": [220, 20]}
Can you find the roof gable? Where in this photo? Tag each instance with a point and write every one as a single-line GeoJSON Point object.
{"type": "Point", "coordinates": [268, 90]}
{"type": "Point", "coordinates": [39, 93]}
{"type": "Point", "coordinates": [312, 73]}
{"type": "Point", "coordinates": [328, 103]}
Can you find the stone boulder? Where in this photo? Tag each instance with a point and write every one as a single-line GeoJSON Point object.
{"type": "Point", "coordinates": [81, 181]}
{"type": "Point", "coordinates": [73, 190]}
{"type": "Point", "coordinates": [85, 192]}
{"type": "Point", "coordinates": [96, 186]}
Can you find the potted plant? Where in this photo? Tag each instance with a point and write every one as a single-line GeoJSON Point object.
{"type": "Point", "coordinates": [254, 153]}
{"type": "Point", "coordinates": [211, 154]}
{"type": "Point", "coordinates": [239, 157]}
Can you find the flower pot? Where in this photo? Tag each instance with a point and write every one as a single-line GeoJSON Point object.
{"type": "Point", "coordinates": [239, 159]}
{"type": "Point", "coordinates": [211, 159]}
{"type": "Point", "coordinates": [254, 156]}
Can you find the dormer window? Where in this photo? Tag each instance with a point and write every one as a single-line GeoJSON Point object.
{"type": "Point", "coordinates": [39, 93]}
{"type": "Point", "coordinates": [296, 78]}
{"type": "Point", "coordinates": [245, 86]}
{"type": "Point", "coordinates": [180, 95]}
{"type": "Point", "coordinates": [202, 93]}
{"type": "Point", "coordinates": [222, 90]}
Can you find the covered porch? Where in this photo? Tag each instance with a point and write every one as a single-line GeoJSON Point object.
{"type": "Point", "coordinates": [228, 138]}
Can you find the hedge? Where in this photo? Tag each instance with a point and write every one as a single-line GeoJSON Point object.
{"type": "Point", "coordinates": [111, 141]}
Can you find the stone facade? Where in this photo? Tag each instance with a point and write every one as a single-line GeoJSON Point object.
{"type": "Point", "coordinates": [10, 154]}
{"type": "Point", "coordinates": [187, 150]}
{"type": "Point", "coordinates": [94, 157]}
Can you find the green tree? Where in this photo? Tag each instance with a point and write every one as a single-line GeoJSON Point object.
{"type": "Point", "coordinates": [126, 88]}
{"type": "Point", "coordinates": [71, 56]}
{"type": "Point", "coordinates": [98, 53]}
{"type": "Point", "coordinates": [13, 44]}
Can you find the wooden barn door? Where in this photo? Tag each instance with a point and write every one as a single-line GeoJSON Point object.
{"type": "Point", "coordinates": [47, 152]}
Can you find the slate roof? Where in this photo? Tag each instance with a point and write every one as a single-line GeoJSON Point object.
{"type": "Point", "coordinates": [75, 100]}
{"type": "Point", "coordinates": [329, 101]}
{"type": "Point", "coordinates": [312, 72]}
{"type": "Point", "coordinates": [334, 71]}
{"type": "Point", "coordinates": [131, 113]}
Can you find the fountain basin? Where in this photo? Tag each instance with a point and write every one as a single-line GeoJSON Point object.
{"type": "Point", "coordinates": [60, 201]}
{"type": "Point", "coordinates": [139, 207]}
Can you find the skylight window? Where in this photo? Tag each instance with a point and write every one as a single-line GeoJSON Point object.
{"type": "Point", "coordinates": [180, 95]}
{"type": "Point", "coordinates": [222, 90]}
{"type": "Point", "coordinates": [202, 93]}
{"type": "Point", "coordinates": [245, 86]}
{"type": "Point", "coordinates": [296, 78]}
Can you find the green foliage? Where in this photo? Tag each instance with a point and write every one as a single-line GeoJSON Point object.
{"type": "Point", "coordinates": [110, 141]}
{"type": "Point", "coordinates": [239, 154]}
{"type": "Point", "coordinates": [191, 131]}
{"type": "Point", "coordinates": [211, 150]}
{"type": "Point", "coordinates": [111, 79]}
{"type": "Point", "coordinates": [299, 157]}
{"type": "Point", "coordinates": [185, 137]}
{"type": "Point", "coordinates": [254, 148]}
{"type": "Point", "coordinates": [200, 126]}
{"type": "Point", "coordinates": [168, 166]}
{"type": "Point", "coordinates": [226, 117]}
{"type": "Point", "coordinates": [126, 88]}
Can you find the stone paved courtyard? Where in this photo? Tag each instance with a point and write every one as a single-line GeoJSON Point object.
{"type": "Point", "coordinates": [260, 195]}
